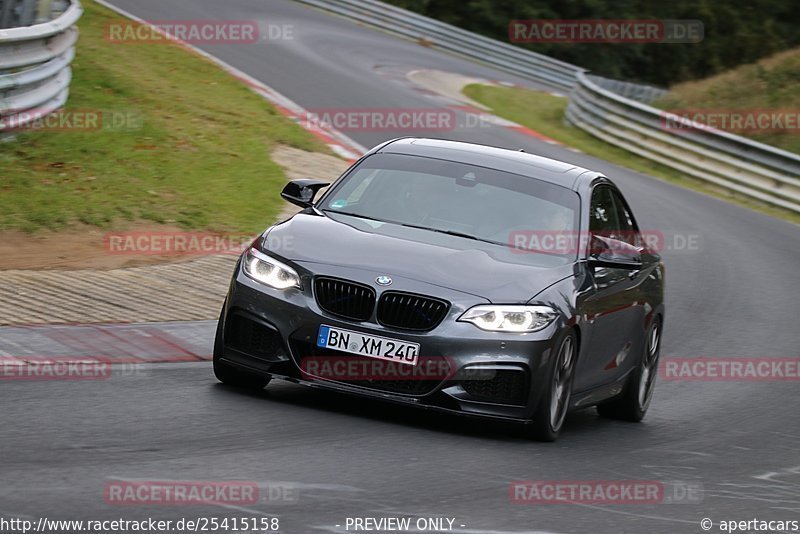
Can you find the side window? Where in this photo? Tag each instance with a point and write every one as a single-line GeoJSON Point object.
{"type": "Point", "coordinates": [610, 217]}
{"type": "Point", "coordinates": [602, 213]}
{"type": "Point", "coordinates": [629, 233]}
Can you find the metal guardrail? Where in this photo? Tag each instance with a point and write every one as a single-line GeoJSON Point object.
{"type": "Point", "coordinates": [436, 34]}
{"type": "Point", "coordinates": [611, 110]}
{"type": "Point", "coordinates": [729, 161]}
{"type": "Point", "coordinates": [37, 39]}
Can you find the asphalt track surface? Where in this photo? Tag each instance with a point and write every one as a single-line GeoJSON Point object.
{"type": "Point", "coordinates": [734, 295]}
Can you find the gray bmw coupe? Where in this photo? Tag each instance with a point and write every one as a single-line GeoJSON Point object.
{"type": "Point", "coordinates": [455, 277]}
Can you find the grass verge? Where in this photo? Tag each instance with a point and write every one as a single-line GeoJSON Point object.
{"type": "Point", "coordinates": [544, 113]}
{"type": "Point", "coordinates": [195, 154]}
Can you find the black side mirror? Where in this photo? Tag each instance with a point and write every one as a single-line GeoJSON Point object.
{"type": "Point", "coordinates": [613, 253]}
{"type": "Point", "coordinates": [301, 192]}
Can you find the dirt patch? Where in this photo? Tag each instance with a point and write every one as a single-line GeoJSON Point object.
{"type": "Point", "coordinates": [79, 248]}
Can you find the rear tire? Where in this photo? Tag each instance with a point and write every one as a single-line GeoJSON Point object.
{"type": "Point", "coordinates": [632, 405]}
{"type": "Point", "coordinates": [229, 374]}
{"type": "Point", "coordinates": [554, 404]}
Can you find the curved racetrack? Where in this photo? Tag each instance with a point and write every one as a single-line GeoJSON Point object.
{"type": "Point", "coordinates": [737, 295]}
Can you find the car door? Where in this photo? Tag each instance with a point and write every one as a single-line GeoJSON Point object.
{"type": "Point", "coordinates": [613, 307]}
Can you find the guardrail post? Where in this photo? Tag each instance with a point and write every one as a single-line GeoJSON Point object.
{"type": "Point", "coordinates": [35, 53]}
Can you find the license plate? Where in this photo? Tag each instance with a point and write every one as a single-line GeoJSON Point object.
{"type": "Point", "coordinates": [381, 348]}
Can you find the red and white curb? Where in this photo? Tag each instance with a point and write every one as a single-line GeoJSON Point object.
{"type": "Point", "coordinates": [41, 346]}
{"type": "Point", "coordinates": [339, 143]}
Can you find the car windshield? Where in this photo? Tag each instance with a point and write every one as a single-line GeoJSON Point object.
{"type": "Point", "coordinates": [446, 196]}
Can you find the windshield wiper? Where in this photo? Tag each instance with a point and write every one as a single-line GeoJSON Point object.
{"type": "Point", "coordinates": [454, 233]}
{"type": "Point", "coordinates": [407, 225]}
{"type": "Point", "coordinates": [355, 215]}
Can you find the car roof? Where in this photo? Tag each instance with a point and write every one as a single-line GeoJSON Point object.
{"type": "Point", "coordinates": [502, 159]}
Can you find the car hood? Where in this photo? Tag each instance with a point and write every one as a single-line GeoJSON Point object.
{"type": "Point", "coordinates": [494, 272]}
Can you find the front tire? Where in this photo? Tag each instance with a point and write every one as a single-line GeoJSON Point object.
{"type": "Point", "coordinates": [554, 404]}
{"type": "Point", "coordinates": [632, 405]}
{"type": "Point", "coordinates": [227, 373]}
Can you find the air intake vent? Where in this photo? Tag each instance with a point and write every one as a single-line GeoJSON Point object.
{"type": "Point", "coordinates": [506, 387]}
{"type": "Point", "coordinates": [253, 338]}
{"type": "Point", "coordinates": [407, 311]}
{"type": "Point", "coordinates": [345, 299]}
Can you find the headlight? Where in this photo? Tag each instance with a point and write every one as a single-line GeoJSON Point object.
{"type": "Point", "coordinates": [509, 318]}
{"type": "Point", "coordinates": [269, 271]}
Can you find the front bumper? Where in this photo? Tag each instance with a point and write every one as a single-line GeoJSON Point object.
{"type": "Point", "coordinates": [273, 332]}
